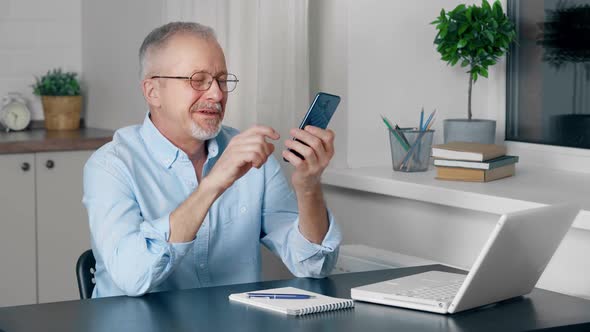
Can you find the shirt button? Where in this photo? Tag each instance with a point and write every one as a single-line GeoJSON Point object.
{"type": "Point", "coordinates": [202, 266]}
{"type": "Point", "coordinates": [243, 209]}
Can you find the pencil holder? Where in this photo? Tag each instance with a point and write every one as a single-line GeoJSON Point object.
{"type": "Point", "coordinates": [410, 149]}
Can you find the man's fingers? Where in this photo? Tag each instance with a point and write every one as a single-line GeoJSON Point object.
{"type": "Point", "coordinates": [308, 138]}
{"type": "Point", "coordinates": [256, 158]}
{"type": "Point", "coordinates": [325, 135]}
{"type": "Point", "coordinates": [307, 152]}
{"type": "Point", "coordinates": [292, 158]}
{"type": "Point", "coordinates": [252, 142]}
{"type": "Point", "coordinates": [262, 130]}
{"type": "Point", "coordinates": [252, 150]}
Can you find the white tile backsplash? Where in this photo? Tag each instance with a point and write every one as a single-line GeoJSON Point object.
{"type": "Point", "coordinates": [18, 34]}
{"type": "Point", "coordinates": [36, 36]}
{"type": "Point", "coordinates": [42, 9]}
{"type": "Point", "coordinates": [27, 62]}
{"type": "Point", "coordinates": [4, 8]}
{"type": "Point", "coordinates": [53, 33]}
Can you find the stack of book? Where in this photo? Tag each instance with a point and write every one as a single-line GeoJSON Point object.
{"type": "Point", "coordinates": [462, 161]}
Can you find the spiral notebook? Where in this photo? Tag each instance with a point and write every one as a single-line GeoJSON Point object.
{"type": "Point", "coordinates": [318, 303]}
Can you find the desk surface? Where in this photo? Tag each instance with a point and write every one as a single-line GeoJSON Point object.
{"type": "Point", "coordinates": [208, 309]}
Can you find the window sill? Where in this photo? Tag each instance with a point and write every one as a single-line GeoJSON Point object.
{"type": "Point", "coordinates": [530, 187]}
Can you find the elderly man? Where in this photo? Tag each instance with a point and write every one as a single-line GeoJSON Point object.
{"type": "Point", "coordinates": [182, 201]}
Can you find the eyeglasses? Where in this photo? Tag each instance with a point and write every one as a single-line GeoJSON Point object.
{"type": "Point", "coordinates": [201, 81]}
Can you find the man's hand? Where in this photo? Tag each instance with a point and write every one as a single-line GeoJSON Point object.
{"type": "Point", "coordinates": [317, 153]}
{"type": "Point", "coordinates": [246, 150]}
{"type": "Point", "coordinates": [313, 217]}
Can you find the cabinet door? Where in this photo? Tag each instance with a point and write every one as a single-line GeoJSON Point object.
{"type": "Point", "coordinates": [62, 223]}
{"type": "Point", "coordinates": [18, 283]}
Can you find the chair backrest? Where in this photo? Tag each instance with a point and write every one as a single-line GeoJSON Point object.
{"type": "Point", "coordinates": [85, 268]}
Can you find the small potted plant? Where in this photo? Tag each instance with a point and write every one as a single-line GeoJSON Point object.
{"type": "Point", "coordinates": [61, 99]}
{"type": "Point", "coordinates": [475, 37]}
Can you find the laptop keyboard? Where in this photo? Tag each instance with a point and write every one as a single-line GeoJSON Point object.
{"type": "Point", "coordinates": [438, 293]}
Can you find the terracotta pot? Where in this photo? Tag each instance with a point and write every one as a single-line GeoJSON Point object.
{"type": "Point", "coordinates": [62, 112]}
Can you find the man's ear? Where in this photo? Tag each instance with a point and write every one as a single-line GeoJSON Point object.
{"type": "Point", "coordinates": [151, 92]}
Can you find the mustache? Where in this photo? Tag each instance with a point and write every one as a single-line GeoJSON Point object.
{"type": "Point", "coordinates": [207, 105]}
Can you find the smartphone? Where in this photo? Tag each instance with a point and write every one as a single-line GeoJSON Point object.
{"type": "Point", "coordinates": [319, 114]}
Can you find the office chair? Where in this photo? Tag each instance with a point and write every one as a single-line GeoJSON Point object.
{"type": "Point", "coordinates": [85, 268]}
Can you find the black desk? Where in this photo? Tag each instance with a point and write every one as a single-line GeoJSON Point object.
{"type": "Point", "coordinates": [208, 309]}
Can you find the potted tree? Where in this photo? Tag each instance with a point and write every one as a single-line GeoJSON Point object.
{"type": "Point", "coordinates": [476, 37]}
{"type": "Point", "coordinates": [61, 99]}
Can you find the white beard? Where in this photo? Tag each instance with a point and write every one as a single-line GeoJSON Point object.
{"type": "Point", "coordinates": [202, 134]}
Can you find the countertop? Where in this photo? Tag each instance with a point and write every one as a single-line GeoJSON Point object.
{"type": "Point", "coordinates": [41, 140]}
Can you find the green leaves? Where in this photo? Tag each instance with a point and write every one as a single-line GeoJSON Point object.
{"type": "Point", "coordinates": [57, 83]}
{"type": "Point", "coordinates": [475, 36]}
{"type": "Point", "coordinates": [498, 13]}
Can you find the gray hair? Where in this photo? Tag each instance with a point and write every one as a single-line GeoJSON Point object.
{"type": "Point", "coordinates": [158, 38]}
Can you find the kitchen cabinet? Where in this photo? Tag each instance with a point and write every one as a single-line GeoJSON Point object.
{"type": "Point", "coordinates": [18, 278]}
{"type": "Point", "coordinates": [62, 223]}
{"type": "Point", "coordinates": [43, 224]}
{"type": "Point", "coordinates": [44, 227]}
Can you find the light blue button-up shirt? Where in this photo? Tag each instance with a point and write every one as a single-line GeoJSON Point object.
{"type": "Point", "coordinates": [132, 184]}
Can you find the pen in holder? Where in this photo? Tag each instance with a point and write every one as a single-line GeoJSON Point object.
{"type": "Point", "coordinates": [410, 149]}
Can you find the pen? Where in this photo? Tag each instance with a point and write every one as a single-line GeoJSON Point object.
{"type": "Point", "coordinates": [396, 134]}
{"type": "Point", "coordinates": [428, 120]}
{"type": "Point", "coordinates": [422, 118]}
{"type": "Point", "coordinates": [430, 124]}
{"type": "Point", "coordinates": [387, 124]}
{"type": "Point", "coordinates": [398, 130]}
{"type": "Point", "coordinates": [280, 296]}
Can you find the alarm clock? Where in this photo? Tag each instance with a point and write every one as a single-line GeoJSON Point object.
{"type": "Point", "coordinates": [14, 115]}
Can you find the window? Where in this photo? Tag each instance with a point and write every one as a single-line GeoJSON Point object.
{"type": "Point", "coordinates": [548, 76]}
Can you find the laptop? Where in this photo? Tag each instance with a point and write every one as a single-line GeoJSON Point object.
{"type": "Point", "coordinates": [509, 265]}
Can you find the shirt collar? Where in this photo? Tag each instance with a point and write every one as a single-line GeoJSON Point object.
{"type": "Point", "coordinates": [164, 150]}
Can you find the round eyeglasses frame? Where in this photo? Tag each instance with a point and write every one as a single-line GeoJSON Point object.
{"type": "Point", "coordinates": [202, 81]}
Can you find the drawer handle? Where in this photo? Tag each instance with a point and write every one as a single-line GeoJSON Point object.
{"type": "Point", "coordinates": [25, 166]}
{"type": "Point", "coordinates": [49, 164]}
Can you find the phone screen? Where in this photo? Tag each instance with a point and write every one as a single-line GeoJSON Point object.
{"type": "Point", "coordinates": [319, 113]}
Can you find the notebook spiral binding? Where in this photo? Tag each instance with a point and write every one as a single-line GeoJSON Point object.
{"type": "Point", "coordinates": [325, 307]}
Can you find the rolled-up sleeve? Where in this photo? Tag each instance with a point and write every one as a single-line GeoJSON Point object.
{"type": "Point", "coordinates": [280, 227]}
{"type": "Point", "coordinates": [135, 252]}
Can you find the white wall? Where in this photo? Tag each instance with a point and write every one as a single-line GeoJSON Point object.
{"type": "Point", "coordinates": [328, 59]}
{"type": "Point", "coordinates": [36, 36]}
{"type": "Point", "coordinates": [392, 67]}
{"type": "Point", "coordinates": [112, 34]}
{"type": "Point", "coordinates": [378, 55]}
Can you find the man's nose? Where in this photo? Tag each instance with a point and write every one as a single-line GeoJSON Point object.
{"type": "Point", "coordinates": [214, 92]}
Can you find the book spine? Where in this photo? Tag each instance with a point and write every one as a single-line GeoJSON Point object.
{"type": "Point", "coordinates": [503, 162]}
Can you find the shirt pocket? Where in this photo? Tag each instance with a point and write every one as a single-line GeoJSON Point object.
{"type": "Point", "coordinates": [240, 210]}
{"type": "Point", "coordinates": [228, 206]}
